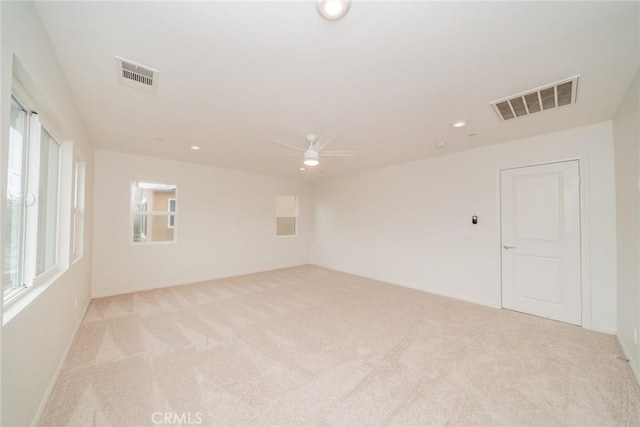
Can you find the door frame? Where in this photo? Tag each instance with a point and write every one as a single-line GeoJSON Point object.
{"type": "Point", "coordinates": [585, 253]}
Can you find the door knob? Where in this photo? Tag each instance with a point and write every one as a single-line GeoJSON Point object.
{"type": "Point", "coordinates": [509, 247]}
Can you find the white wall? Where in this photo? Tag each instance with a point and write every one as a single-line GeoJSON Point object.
{"type": "Point", "coordinates": [225, 226]}
{"type": "Point", "coordinates": [410, 224]}
{"type": "Point", "coordinates": [626, 132]}
{"type": "Point", "coordinates": [35, 340]}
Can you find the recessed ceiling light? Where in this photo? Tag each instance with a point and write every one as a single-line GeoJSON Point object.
{"type": "Point", "coordinates": [472, 134]}
{"type": "Point", "coordinates": [303, 169]}
{"type": "Point", "coordinates": [195, 147]}
{"type": "Point", "coordinates": [458, 124]}
{"type": "Point", "coordinates": [333, 9]}
{"type": "Point", "coordinates": [441, 144]}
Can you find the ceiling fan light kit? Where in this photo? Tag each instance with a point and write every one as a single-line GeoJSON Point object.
{"type": "Point", "coordinates": [333, 9]}
{"type": "Point", "coordinates": [311, 158]}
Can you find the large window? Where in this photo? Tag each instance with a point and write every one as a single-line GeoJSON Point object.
{"type": "Point", "coordinates": [286, 215]}
{"type": "Point", "coordinates": [153, 212]}
{"type": "Point", "coordinates": [32, 218]}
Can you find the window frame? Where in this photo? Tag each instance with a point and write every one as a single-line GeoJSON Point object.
{"type": "Point", "coordinates": [22, 287]}
{"type": "Point", "coordinates": [78, 208]}
{"type": "Point", "coordinates": [171, 219]}
{"type": "Point", "coordinates": [48, 271]}
{"type": "Point", "coordinates": [144, 221]}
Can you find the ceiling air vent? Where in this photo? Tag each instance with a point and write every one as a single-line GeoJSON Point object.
{"type": "Point", "coordinates": [136, 75]}
{"type": "Point", "coordinates": [541, 99]}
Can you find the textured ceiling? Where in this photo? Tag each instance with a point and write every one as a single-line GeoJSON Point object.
{"type": "Point", "coordinates": [388, 79]}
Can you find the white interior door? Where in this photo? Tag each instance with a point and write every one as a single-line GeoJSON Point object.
{"type": "Point", "coordinates": [540, 207]}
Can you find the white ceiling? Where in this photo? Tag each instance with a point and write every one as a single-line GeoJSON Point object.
{"type": "Point", "coordinates": [388, 79]}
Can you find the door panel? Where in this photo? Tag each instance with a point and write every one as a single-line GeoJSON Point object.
{"type": "Point", "coordinates": [540, 211]}
{"type": "Point", "coordinates": [538, 207]}
{"type": "Point", "coordinates": [538, 278]}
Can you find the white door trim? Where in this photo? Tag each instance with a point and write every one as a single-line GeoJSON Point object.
{"type": "Point", "coordinates": [585, 253]}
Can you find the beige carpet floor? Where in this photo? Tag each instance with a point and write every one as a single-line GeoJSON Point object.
{"type": "Point", "coordinates": [311, 346]}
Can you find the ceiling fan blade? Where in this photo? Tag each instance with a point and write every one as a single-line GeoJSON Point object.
{"type": "Point", "coordinates": [339, 153]}
{"type": "Point", "coordinates": [290, 156]}
{"type": "Point", "coordinates": [273, 141]}
{"type": "Point", "coordinates": [325, 140]}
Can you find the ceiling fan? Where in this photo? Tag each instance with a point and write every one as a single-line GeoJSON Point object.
{"type": "Point", "coordinates": [312, 154]}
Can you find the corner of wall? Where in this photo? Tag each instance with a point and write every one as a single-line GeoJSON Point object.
{"type": "Point", "coordinates": [626, 131]}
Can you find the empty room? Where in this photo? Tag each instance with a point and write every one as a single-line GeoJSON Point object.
{"type": "Point", "coordinates": [331, 212]}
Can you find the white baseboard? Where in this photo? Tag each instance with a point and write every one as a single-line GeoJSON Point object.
{"type": "Point", "coordinates": [458, 297]}
{"type": "Point", "coordinates": [636, 372]}
{"type": "Point", "coordinates": [455, 296]}
{"type": "Point", "coordinates": [187, 281]}
{"type": "Point", "coordinates": [56, 374]}
{"type": "Point", "coordinates": [632, 363]}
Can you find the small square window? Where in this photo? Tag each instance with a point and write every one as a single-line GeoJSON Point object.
{"type": "Point", "coordinates": [153, 212]}
{"type": "Point", "coordinates": [286, 215]}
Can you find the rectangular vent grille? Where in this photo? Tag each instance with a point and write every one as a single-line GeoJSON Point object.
{"type": "Point", "coordinates": [533, 101]}
{"type": "Point", "coordinates": [136, 75]}
{"type": "Point", "coordinates": [140, 77]}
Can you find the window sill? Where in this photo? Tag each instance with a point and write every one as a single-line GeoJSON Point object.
{"type": "Point", "coordinates": [161, 242]}
{"type": "Point", "coordinates": [20, 301]}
